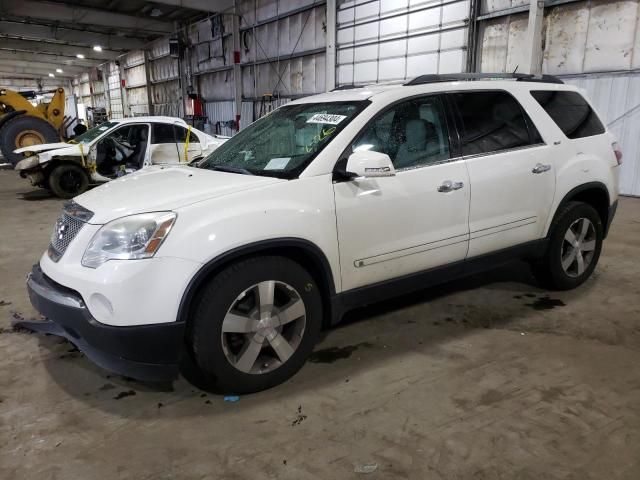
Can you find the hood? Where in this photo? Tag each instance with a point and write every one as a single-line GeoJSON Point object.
{"type": "Point", "coordinates": [160, 188]}
{"type": "Point", "coordinates": [43, 147]}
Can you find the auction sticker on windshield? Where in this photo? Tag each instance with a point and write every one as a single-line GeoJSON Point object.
{"type": "Point", "coordinates": [277, 163]}
{"type": "Point", "coordinates": [327, 118]}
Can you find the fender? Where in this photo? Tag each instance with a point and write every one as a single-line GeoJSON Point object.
{"type": "Point", "coordinates": [8, 116]}
{"type": "Point", "coordinates": [318, 258]}
{"type": "Point", "coordinates": [606, 215]}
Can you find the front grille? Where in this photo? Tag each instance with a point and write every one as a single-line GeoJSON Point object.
{"type": "Point", "coordinates": [67, 227]}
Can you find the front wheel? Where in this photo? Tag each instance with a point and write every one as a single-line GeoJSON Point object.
{"type": "Point", "coordinates": [575, 242]}
{"type": "Point", "coordinates": [68, 180]}
{"type": "Point", "coordinates": [255, 324]}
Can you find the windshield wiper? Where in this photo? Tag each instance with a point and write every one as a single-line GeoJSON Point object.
{"type": "Point", "coordinates": [231, 169]}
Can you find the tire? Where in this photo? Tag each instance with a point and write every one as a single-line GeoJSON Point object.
{"type": "Point", "coordinates": [24, 131]}
{"type": "Point", "coordinates": [561, 267]}
{"type": "Point", "coordinates": [67, 180]}
{"type": "Point", "coordinates": [228, 360]}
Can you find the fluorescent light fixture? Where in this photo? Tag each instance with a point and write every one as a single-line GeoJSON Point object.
{"type": "Point", "coordinates": [58, 70]}
{"type": "Point", "coordinates": [51, 75]}
{"type": "Point", "coordinates": [97, 48]}
{"type": "Point", "coordinates": [79, 55]}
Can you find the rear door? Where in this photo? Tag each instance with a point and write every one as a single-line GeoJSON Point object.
{"type": "Point", "coordinates": [511, 170]}
{"type": "Point", "coordinates": [188, 144]}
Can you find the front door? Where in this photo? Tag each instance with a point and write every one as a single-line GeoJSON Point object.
{"type": "Point", "coordinates": [511, 170]}
{"type": "Point", "coordinates": [416, 220]}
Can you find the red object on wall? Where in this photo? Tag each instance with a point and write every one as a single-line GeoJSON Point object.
{"type": "Point", "coordinates": [122, 82]}
{"type": "Point", "coordinates": [236, 57]}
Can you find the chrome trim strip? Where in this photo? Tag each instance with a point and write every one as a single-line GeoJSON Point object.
{"type": "Point", "coordinates": [405, 252]}
{"type": "Point", "coordinates": [53, 295]}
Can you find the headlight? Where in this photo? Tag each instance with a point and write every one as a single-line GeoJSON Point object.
{"type": "Point", "coordinates": [128, 238]}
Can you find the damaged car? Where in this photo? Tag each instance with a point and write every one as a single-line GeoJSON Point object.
{"type": "Point", "coordinates": [111, 150]}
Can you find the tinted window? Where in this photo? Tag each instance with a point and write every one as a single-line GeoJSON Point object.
{"type": "Point", "coordinates": [492, 121]}
{"type": "Point", "coordinates": [181, 135]}
{"type": "Point", "coordinates": [412, 133]}
{"type": "Point", "coordinates": [571, 113]}
{"type": "Point", "coordinates": [162, 133]}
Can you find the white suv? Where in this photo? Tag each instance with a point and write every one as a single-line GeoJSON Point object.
{"type": "Point", "coordinates": [329, 202]}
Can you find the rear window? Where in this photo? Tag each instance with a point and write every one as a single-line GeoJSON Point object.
{"type": "Point", "coordinates": [571, 112]}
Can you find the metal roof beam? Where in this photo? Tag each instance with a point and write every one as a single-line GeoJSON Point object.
{"type": "Point", "coordinates": [77, 15]}
{"type": "Point", "coordinates": [48, 58]}
{"type": "Point", "coordinates": [51, 67]}
{"type": "Point", "coordinates": [17, 72]}
{"type": "Point", "coordinates": [73, 36]}
{"type": "Point", "coordinates": [202, 5]}
{"type": "Point", "coordinates": [55, 49]}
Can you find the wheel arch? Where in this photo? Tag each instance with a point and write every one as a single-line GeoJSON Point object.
{"type": "Point", "coordinates": [304, 252]}
{"type": "Point", "coordinates": [591, 193]}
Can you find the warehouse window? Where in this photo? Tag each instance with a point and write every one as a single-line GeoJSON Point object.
{"type": "Point", "coordinates": [492, 121]}
{"type": "Point", "coordinates": [571, 113]}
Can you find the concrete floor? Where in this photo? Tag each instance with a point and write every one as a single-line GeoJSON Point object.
{"type": "Point", "coordinates": [486, 378]}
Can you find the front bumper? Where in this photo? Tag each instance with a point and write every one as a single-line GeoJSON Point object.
{"type": "Point", "coordinates": [143, 352]}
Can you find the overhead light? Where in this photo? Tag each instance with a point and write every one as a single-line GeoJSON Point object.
{"type": "Point", "coordinates": [79, 55]}
{"type": "Point", "coordinates": [155, 12]}
{"type": "Point", "coordinates": [97, 48]}
{"type": "Point", "coordinates": [58, 70]}
{"type": "Point", "coordinates": [51, 75]}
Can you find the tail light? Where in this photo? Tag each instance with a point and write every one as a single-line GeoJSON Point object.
{"type": "Point", "coordinates": [617, 152]}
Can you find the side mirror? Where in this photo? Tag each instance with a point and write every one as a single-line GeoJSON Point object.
{"type": "Point", "coordinates": [367, 164]}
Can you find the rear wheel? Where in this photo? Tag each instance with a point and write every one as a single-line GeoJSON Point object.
{"type": "Point", "coordinates": [255, 324]}
{"type": "Point", "coordinates": [25, 131]}
{"type": "Point", "coordinates": [68, 180]}
{"type": "Point", "coordinates": [575, 242]}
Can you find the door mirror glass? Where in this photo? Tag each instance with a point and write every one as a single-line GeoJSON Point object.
{"type": "Point", "coordinates": [370, 164]}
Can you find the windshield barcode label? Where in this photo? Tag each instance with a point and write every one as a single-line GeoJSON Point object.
{"type": "Point", "coordinates": [326, 118]}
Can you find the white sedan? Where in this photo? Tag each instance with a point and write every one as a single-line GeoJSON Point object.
{"type": "Point", "coordinates": [111, 150]}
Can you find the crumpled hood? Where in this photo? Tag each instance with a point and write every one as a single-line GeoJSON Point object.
{"type": "Point", "coordinates": [159, 188]}
{"type": "Point", "coordinates": [44, 147]}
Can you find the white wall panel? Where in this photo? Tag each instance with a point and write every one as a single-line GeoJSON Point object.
{"type": "Point", "coordinates": [384, 40]}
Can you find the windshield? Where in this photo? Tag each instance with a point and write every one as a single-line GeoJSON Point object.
{"type": "Point", "coordinates": [93, 133]}
{"type": "Point", "coordinates": [284, 142]}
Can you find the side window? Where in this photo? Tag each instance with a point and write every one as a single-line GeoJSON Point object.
{"type": "Point", "coordinates": [162, 133]}
{"type": "Point", "coordinates": [571, 113]}
{"type": "Point", "coordinates": [412, 133]}
{"type": "Point", "coordinates": [492, 121]}
{"type": "Point", "coordinates": [181, 135]}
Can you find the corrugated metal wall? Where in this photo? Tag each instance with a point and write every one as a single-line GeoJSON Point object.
{"type": "Point", "coordinates": [597, 38]}
{"type": "Point", "coordinates": [386, 40]}
{"type": "Point", "coordinates": [166, 93]}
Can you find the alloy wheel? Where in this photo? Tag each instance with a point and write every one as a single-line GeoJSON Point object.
{"type": "Point", "coordinates": [263, 327]}
{"type": "Point", "coordinates": [578, 247]}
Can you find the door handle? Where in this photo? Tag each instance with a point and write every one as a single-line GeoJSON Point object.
{"type": "Point", "coordinates": [540, 168]}
{"type": "Point", "coordinates": [449, 186]}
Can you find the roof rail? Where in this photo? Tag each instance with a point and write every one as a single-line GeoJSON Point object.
{"type": "Point", "coordinates": [346, 87]}
{"type": "Point", "coordinates": [456, 77]}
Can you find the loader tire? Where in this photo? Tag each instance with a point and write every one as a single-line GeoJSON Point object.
{"type": "Point", "coordinates": [24, 131]}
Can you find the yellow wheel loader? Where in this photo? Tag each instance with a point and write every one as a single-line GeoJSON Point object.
{"type": "Point", "coordinates": [23, 125]}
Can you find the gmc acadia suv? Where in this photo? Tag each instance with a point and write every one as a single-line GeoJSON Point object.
{"type": "Point", "coordinates": [327, 203]}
